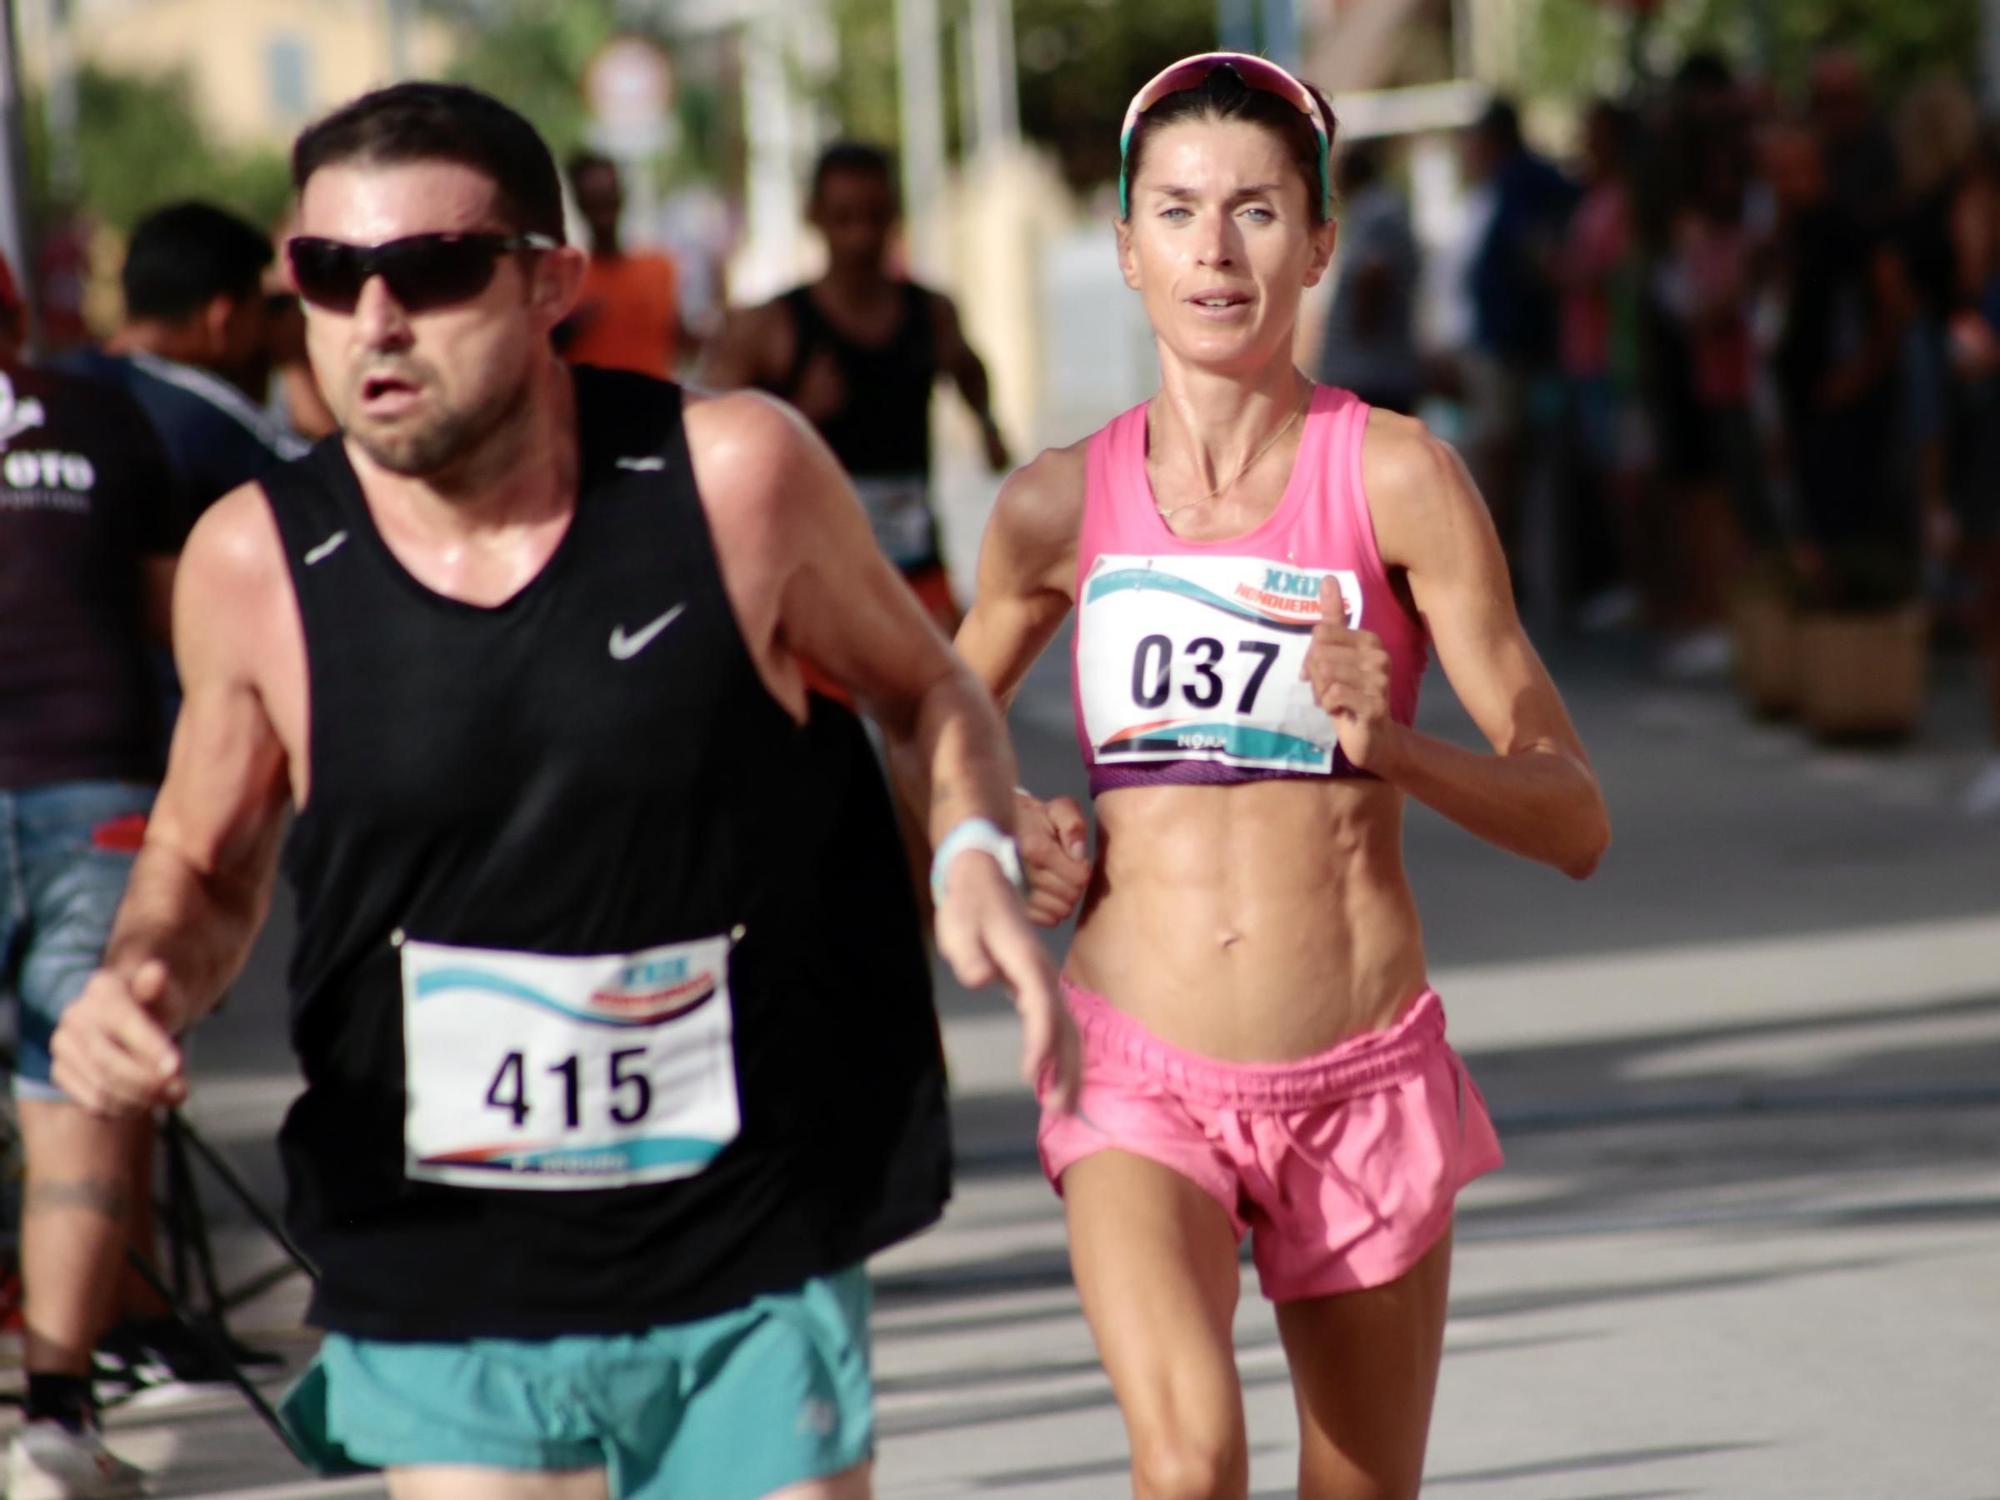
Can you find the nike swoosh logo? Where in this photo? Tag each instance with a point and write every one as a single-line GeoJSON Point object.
{"type": "Point", "coordinates": [624, 647]}
{"type": "Point", "coordinates": [642, 465]}
{"type": "Point", "coordinates": [326, 548]}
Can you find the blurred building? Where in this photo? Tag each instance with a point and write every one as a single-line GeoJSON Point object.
{"type": "Point", "coordinates": [257, 69]}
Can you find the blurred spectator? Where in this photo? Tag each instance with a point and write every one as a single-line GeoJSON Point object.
{"type": "Point", "coordinates": [195, 349]}
{"type": "Point", "coordinates": [1715, 468]}
{"type": "Point", "coordinates": [1511, 368]}
{"type": "Point", "coordinates": [1370, 343]}
{"type": "Point", "coordinates": [1937, 133]}
{"type": "Point", "coordinates": [1837, 365]}
{"type": "Point", "coordinates": [1858, 150]}
{"type": "Point", "coordinates": [295, 400]}
{"type": "Point", "coordinates": [629, 315]}
{"type": "Point", "coordinates": [1975, 451]}
{"type": "Point", "coordinates": [1598, 273]}
{"type": "Point", "coordinates": [86, 568]}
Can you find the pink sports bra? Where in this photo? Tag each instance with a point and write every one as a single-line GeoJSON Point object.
{"type": "Point", "coordinates": [1187, 655]}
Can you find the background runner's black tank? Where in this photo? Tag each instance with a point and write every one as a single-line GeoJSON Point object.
{"type": "Point", "coordinates": [884, 427]}
{"type": "Point", "coordinates": [496, 778]}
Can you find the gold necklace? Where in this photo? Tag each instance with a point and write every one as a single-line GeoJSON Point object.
{"type": "Point", "coordinates": [1167, 513]}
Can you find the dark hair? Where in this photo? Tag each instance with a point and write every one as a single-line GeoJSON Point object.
{"type": "Point", "coordinates": [185, 255]}
{"type": "Point", "coordinates": [414, 122]}
{"type": "Point", "coordinates": [1223, 95]}
{"type": "Point", "coordinates": [1500, 124]}
{"type": "Point", "coordinates": [581, 162]}
{"type": "Point", "coordinates": [852, 156]}
{"type": "Point", "coordinates": [1361, 163]}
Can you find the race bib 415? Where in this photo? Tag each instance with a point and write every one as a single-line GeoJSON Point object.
{"type": "Point", "coordinates": [526, 1070]}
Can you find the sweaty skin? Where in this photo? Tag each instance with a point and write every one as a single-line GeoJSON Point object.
{"type": "Point", "coordinates": [1271, 920]}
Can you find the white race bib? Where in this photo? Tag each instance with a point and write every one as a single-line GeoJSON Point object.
{"type": "Point", "coordinates": [1198, 658]}
{"type": "Point", "coordinates": [531, 1071]}
{"type": "Point", "coordinates": [899, 511]}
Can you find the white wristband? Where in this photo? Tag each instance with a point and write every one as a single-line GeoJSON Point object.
{"type": "Point", "coordinates": [984, 836]}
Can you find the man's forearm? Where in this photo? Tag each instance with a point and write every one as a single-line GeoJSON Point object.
{"type": "Point", "coordinates": [953, 757]}
{"type": "Point", "coordinates": [200, 926]}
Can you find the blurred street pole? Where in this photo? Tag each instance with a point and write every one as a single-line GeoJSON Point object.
{"type": "Point", "coordinates": [996, 84]}
{"type": "Point", "coordinates": [1269, 27]}
{"type": "Point", "coordinates": [14, 231]}
{"type": "Point", "coordinates": [1989, 55]}
{"type": "Point", "coordinates": [920, 109]}
{"type": "Point", "coordinates": [1236, 25]}
{"type": "Point", "coordinates": [65, 175]}
{"type": "Point", "coordinates": [1281, 33]}
{"type": "Point", "coordinates": [397, 14]}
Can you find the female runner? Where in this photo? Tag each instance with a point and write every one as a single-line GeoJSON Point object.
{"type": "Point", "coordinates": [1258, 566]}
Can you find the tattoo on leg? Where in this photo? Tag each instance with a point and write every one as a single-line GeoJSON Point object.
{"type": "Point", "coordinates": [93, 1193]}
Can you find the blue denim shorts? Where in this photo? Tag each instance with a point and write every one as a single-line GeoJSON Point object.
{"type": "Point", "coordinates": [66, 851]}
{"type": "Point", "coordinates": [728, 1407]}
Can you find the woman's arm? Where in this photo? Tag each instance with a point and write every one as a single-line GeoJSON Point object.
{"type": "Point", "coordinates": [1026, 586]}
{"type": "Point", "coordinates": [1535, 794]}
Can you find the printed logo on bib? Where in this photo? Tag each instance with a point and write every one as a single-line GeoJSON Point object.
{"type": "Point", "coordinates": [1198, 658]}
{"type": "Point", "coordinates": [899, 513]}
{"type": "Point", "coordinates": [531, 1071]}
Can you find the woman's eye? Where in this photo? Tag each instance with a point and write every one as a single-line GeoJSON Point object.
{"type": "Point", "coordinates": [1258, 215]}
{"type": "Point", "coordinates": [1176, 213]}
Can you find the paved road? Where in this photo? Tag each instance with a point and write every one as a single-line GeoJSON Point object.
{"type": "Point", "coordinates": [1748, 1240]}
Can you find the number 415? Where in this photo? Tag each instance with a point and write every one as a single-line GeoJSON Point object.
{"type": "Point", "coordinates": [631, 1091]}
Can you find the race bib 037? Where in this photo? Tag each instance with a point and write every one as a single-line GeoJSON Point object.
{"type": "Point", "coordinates": [1198, 658]}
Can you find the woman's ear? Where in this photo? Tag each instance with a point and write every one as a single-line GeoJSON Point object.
{"type": "Point", "coordinates": [1128, 257]}
{"type": "Point", "coordinates": [1324, 238]}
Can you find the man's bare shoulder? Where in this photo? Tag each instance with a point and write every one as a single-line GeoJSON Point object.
{"type": "Point", "coordinates": [753, 456]}
{"type": "Point", "coordinates": [234, 553]}
{"type": "Point", "coordinates": [233, 591]}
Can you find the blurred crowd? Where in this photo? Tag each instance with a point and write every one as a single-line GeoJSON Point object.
{"type": "Point", "coordinates": [1742, 343]}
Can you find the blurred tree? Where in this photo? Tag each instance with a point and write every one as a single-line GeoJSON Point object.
{"type": "Point", "coordinates": [1577, 47]}
{"type": "Point", "coordinates": [139, 144]}
{"type": "Point", "coordinates": [533, 55]}
{"type": "Point", "coordinates": [1080, 61]}
{"type": "Point", "coordinates": [861, 96]}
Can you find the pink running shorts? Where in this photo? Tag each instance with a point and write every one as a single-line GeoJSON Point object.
{"type": "Point", "coordinates": [1343, 1167]}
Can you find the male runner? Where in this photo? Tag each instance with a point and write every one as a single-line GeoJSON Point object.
{"type": "Point", "coordinates": [608, 993]}
{"type": "Point", "coordinates": [86, 566]}
{"type": "Point", "coordinates": [628, 316]}
{"type": "Point", "coordinates": [857, 352]}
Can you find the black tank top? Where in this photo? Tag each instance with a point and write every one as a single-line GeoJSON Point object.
{"type": "Point", "coordinates": [884, 427]}
{"type": "Point", "coordinates": [882, 432]}
{"type": "Point", "coordinates": [565, 774]}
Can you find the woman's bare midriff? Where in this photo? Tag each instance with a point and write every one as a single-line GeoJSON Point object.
{"type": "Point", "coordinates": [1253, 923]}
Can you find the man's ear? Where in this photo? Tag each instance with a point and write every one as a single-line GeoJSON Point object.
{"type": "Point", "coordinates": [557, 281]}
{"type": "Point", "coordinates": [214, 322]}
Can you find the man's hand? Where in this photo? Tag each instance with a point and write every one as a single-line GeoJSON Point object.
{"type": "Point", "coordinates": [998, 459]}
{"type": "Point", "coordinates": [113, 1052]}
{"type": "Point", "coordinates": [984, 935]}
{"type": "Point", "coordinates": [1055, 856]}
{"type": "Point", "coordinates": [821, 392]}
{"type": "Point", "coordinates": [1349, 672]}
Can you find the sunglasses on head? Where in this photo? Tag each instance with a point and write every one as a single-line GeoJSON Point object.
{"type": "Point", "coordinates": [1259, 73]}
{"type": "Point", "coordinates": [422, 271]}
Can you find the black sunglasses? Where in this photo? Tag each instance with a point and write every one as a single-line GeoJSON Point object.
{"type": "Point", "coordinates": [422, 271]}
